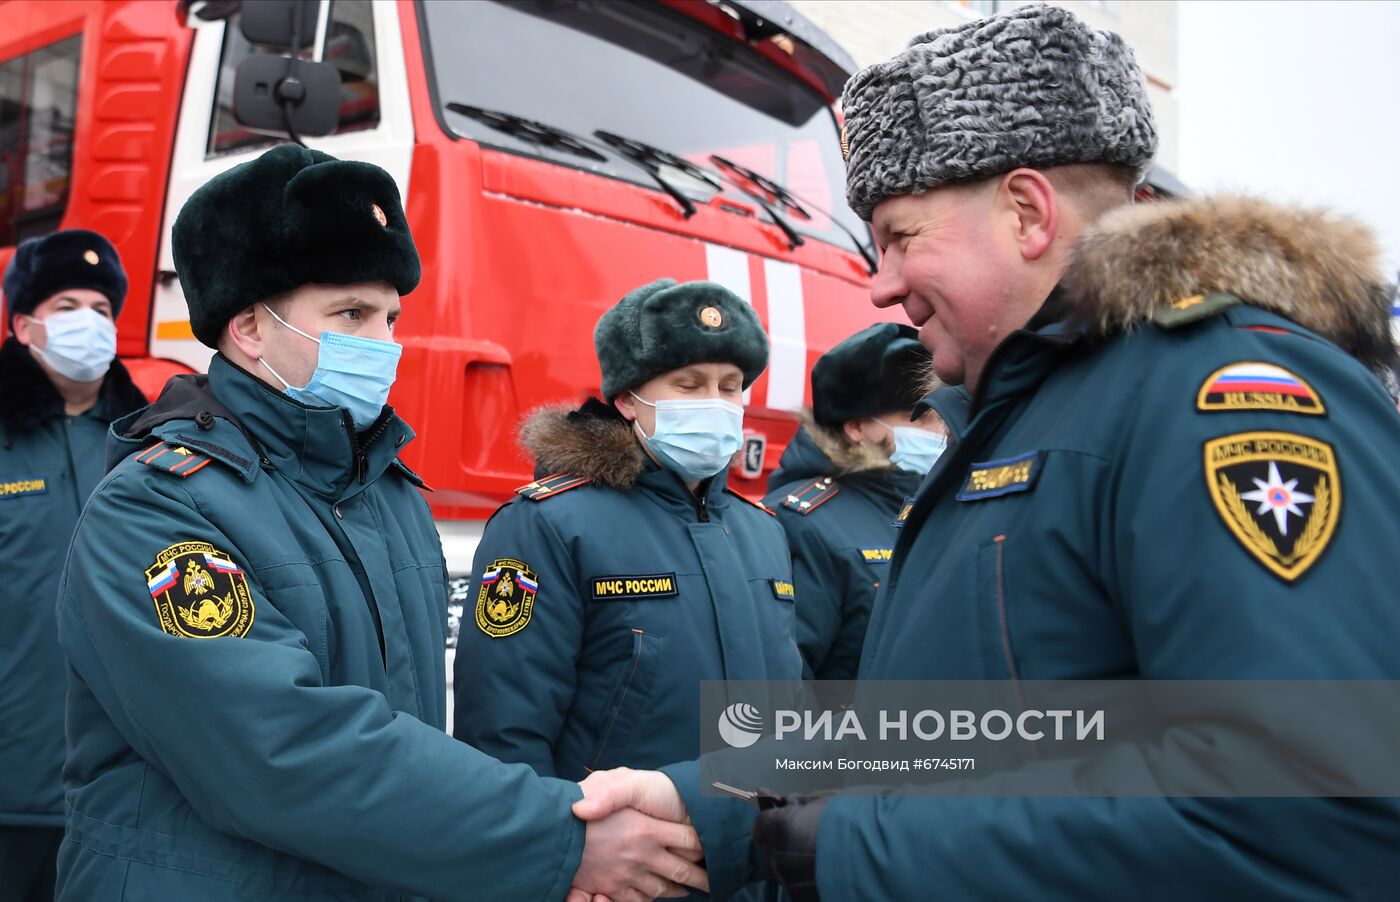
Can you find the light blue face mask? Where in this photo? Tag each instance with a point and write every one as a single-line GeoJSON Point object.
{"type": "Point", "coordinates": [352, 373]}
{"type": "Point", "coordinates": [80, 343]}
{"type": "Point", "coordinates": [694, 438]}
{"type": "Point", "coordinates": [915, 450]}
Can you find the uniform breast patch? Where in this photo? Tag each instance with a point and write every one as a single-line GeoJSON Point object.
{"type": "Point", "coordinates": [1251, 385]}
{"type": "Point", "coordinates": [1279, 494]}
{"type": "Point", "coordinates": [632, 588]}
{"type": "Point", "coordinates": [783, 590]}
{"type": "Point", "coordinates": [507, 598]}
{"type": "Point", "coordinates": [22, 485]}
{"type": "Point", "coordinates": [200, 593]}
{"type": "Point", "coordinates": [877, 555]}
{"type": "Point", "coordinates": [994, 478]}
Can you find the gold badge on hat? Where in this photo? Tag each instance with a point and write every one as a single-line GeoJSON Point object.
{"type": "Point", "coordinates": [91, 256]}
{"type": "Point", "coordinates": [379, 216]}
{"type": "Point", "coordinates": [711, 317]}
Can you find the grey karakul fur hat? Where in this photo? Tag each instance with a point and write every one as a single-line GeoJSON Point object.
{"type": "Point", "coordinates": [1035, 87]}
{"type": "Point", "coordinates": [663, 326]}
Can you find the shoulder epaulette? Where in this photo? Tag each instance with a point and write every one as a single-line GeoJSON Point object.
{"type": "Point", "coordinates": [811, 496]}
{"type": "Point", "coordinates": [747, 500]}
{"type": "Point", "coordinates": [174, 459]}
{"type": "Point", "coordinates": [549, 486]}
{"type": "Point", "coordinates": [1197, 307]}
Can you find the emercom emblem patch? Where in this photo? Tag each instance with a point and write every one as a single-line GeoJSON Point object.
{"type": "Point", "coordinates": [199, 592]}
{"type": "Point", "coordinates": [1279, 494]}
{"type": "Point", "coordinates": [507, 596]}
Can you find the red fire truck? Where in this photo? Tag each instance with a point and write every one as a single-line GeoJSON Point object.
{"type": "Point", "coordinates": [553, 154]}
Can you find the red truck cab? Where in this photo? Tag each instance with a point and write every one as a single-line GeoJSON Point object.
{"type": "Point", "coordinates": [552, 156]}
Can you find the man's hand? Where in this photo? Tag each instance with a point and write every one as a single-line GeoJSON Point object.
{"type": "Point", "coordinates": [639, 844]}
{"type": "Point", "coordinates": [787, 834]}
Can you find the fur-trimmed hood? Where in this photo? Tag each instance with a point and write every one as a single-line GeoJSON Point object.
{"type": "Point", "coordinates": [844, 456]}
{"type": "Point", "coordinates": [593, 441]}
{"type": "Point", "coordinates": [1320, 270]}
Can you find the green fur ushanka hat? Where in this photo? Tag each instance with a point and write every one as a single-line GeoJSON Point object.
{"type": "Point", "coordinates": [664, 326]}
{"type": "Point", "coordinates": [879, 369]}
{"type": "Point", "coordinates": [292, 217]}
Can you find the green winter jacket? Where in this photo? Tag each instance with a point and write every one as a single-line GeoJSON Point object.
{"type": "Point", "coordinates": [1183, 469]}
{"type": "Point", "coordinates": [838, 509]}
{"type": "Point", "coordinates": [253, 613]}
{"type": "Point", "coordinates": [49, 464]}
{"type": "Point", "coordinates": [638, 590]}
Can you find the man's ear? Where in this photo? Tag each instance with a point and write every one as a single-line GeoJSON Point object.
{"type": "Point", "coordinates": [244, 330]}
{"type": "Point", "coordinates": [626, 406]}
{"type": "Point", "coordinates": [854, 430]}
{"type": "Point", "coordinates": [22, 328]}
{"type": "Point", "coordinates": [1035, 207]}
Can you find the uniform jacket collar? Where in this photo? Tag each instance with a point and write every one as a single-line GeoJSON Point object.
{"type": "Point", "coordinates": [596, 442]}
{"type": "Point", "coordinates": [815, 452]}
{"type": "Point", "coordinates": [1319, 270]}
{"type": "Point", "coordinates": [252, 424]}
{"type": "Point", "coordinates": [28, 397]}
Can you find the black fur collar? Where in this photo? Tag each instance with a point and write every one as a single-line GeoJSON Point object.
{"type": "Point", "coordinates": [27, 397]}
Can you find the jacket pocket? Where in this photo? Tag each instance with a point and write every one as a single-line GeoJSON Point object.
{"type": "Point", "coordinates": [994, 610]}
{"type": "Point", "coordinates": [629, 700]}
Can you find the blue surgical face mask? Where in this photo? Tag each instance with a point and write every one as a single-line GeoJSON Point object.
{"type": "Point", "coordinates": [79, 344]}
{"type": "Point", "coordinates": [694, 438]}
{"type": "Point", "coordinates": [915, 450]}
{"type": "Point", "coordinates": [352, 373]}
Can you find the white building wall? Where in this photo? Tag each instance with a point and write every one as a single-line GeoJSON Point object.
{"type": "Point", "coordinates": [875, 30]}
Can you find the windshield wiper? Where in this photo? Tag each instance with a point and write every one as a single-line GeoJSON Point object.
{"type": "Point", "coordinates": [652, 159]}
{"type": "Point", "coordinates": [789, 200]}
{"type": "Point", "coordinates": [529, 129]}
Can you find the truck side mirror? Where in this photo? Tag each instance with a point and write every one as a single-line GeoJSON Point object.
{"type": "Point", "coordinates": [267, 97]}
{"type": "Point", "coordinates": [272, 23]}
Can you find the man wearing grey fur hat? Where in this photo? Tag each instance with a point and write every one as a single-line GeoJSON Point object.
{"type": "Point", "coordinates": [1158, 411]}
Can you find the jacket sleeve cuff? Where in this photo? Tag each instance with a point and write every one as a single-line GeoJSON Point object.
{"type": "Point", "coordinates": [725, 826]}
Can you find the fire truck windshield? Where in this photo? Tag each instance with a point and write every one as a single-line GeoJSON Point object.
{"type": "Point", "coordinates": [647, 72]}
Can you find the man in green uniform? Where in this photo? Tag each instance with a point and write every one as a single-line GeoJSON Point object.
{"type": "Point", "coordinates": [842, 482]}
{"type": "Point", "coordinates": [1172, 460]}
{"type": "Point", "coordinates": [255, 603]}
{"type": "Point", "coordinates": [629, 572]}
{"type": "Point", "coordinates": [61, 386]}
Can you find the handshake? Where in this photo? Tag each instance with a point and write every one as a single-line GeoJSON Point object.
{"type": "Point", "coordinates": [639, 844]}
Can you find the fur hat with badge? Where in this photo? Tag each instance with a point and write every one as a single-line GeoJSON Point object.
{"type": "Point", "coordinates": [664, 326]}
{"type": "Point", "coordinates": [1034, 87]}
{"type": "Point", "coordinates": [289, 218]}
{"type": "Point", "coordinates": [72, 258]}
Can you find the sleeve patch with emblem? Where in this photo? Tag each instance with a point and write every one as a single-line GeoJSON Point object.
{"type": "Point", "coordinates": [783, 590]}
{"type": "Point", "coordinates": [634, 588]}
{"type": "Point", "coordinates": [200, 593]}
{"type": "Point", "coordinates": [1249, 385]}
{"type": "Point", "coordinates": [506, 599]}
{"type": "Point", "coordinates": [1279, 494]}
